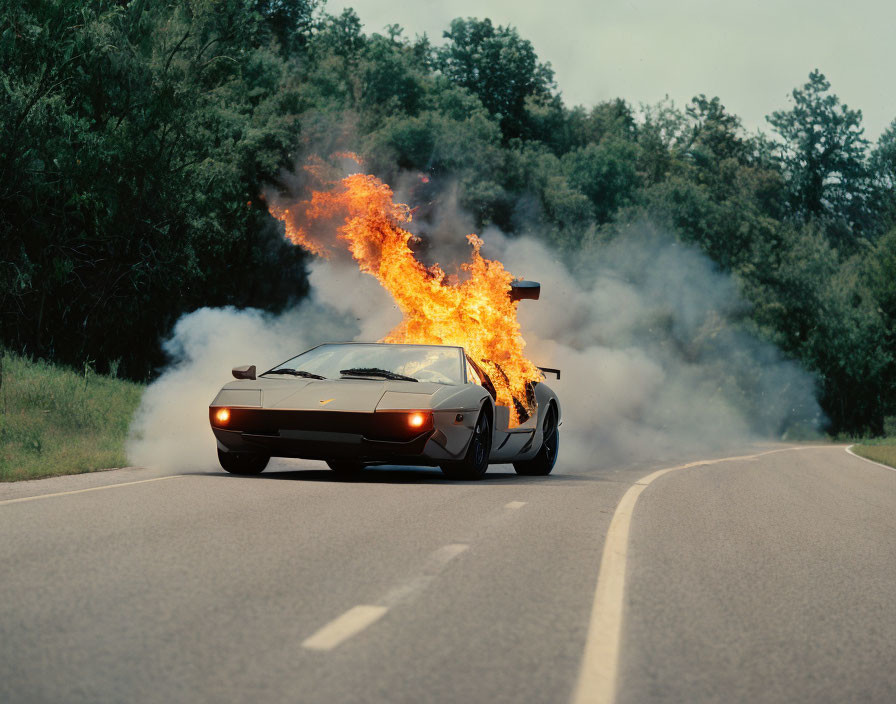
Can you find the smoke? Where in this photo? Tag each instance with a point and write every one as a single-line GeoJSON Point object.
{"type": "Point", "coordinates": [654, 350]}
{"type": "Point", "coordinates": [651, 338]}
{"type": "Point", "coordinates": [170, 428]}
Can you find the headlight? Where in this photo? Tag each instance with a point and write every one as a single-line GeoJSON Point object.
{"type": "Point", "coordinates": [222, 416]}
{"type": "Point", "coordinates": [416, 420]}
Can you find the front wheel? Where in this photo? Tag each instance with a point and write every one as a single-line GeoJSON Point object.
{"type": "Point", "coordinates": [475, 462]}
{"type": "Point", "coordinates": [544, 461]}
{"type": "Point", "coordinates": [243, 462]}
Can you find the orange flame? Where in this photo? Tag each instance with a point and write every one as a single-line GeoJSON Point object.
{"type": "Point", "coordinates": [476, 313]}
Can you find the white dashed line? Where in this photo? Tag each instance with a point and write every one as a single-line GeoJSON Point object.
{"type": "Point", "coordinates": [442, 556]}
{"type": "Point", "coordinates": [356, 619]}
{"type": "Point", "coordinates": [515, 504]}
{"type": "Point", "coordinates": [341, 629]}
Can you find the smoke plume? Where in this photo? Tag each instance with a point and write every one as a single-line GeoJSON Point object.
{"type": "Point", "coordinates": [648, 334]}
{"type": "Point", "coordinates": [654, 357]}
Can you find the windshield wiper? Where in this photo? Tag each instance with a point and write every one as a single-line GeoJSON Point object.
{"type": "Point", "coordinates": [295, 372]}
{"type": "Point", "coordinates": [373, 371]}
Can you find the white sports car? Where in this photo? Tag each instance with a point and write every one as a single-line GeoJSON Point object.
{"type": "Point", "coordinates": [352, 404]}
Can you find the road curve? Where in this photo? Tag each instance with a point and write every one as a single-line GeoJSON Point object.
{"type": "Point", "coordinates": [758, 579]}
{"type": "Point", "coordinates": [771, 581]}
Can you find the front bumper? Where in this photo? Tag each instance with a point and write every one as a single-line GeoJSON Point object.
{"type": "Point", "coordinates": [322, 435]}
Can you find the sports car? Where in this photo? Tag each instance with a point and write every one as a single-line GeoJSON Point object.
{"type": "Point", "coordinates": [356, 404]}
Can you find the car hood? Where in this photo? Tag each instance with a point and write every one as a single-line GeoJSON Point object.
{"type": "Point", "coordinates": [359, 395]}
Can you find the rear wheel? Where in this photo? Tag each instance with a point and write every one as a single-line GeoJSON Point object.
{"type": "Point", "coordinates": [475, 462]}
{"type": "Point", "coordinates": [243, 462]}
{"type": "Point", "coordinates": [345, 466]}
{"type": "Point", "coordinates": [544, 461]}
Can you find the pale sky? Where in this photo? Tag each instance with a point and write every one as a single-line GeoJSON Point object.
{"type": "Point", "coordinates": [750, 54]}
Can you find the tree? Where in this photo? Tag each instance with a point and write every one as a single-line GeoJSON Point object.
{"type": "Point", "coordinates": [882, 277]}
{"type": "Point", "coordinates": [883, 175]}
{"type": "Point", "coordinates": [606, 173]}
{"type": "Point", "coordinates": [135, 142]}
{"type": "Point", "coordinates": [391, 79]}
{"type": "Point", "coordinates": [822, 310]}
{"type": "Point", "coordinates": [499, 67]}
{"type": "Point", "coordinates": [823, 154]}
{"type": "Point", "coordinates": [715, 133]}
{"type": "Point", "coordinates": [289, 21]}
{"type": "Point", "coordinates": [883, 158]}
{"type": "Point", "coordinates": [661, 135]}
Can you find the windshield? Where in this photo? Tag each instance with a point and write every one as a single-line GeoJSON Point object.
{"type": "Point", "coordinates": [442, 365]}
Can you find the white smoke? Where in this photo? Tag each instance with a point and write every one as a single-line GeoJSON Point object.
{"type": "Point", "coordinates": [646, 332]}
{"type": "Point", "coordinates": [654, 359]}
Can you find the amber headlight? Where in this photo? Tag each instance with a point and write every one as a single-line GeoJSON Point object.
{"type": "Point", "coordinates": [222, 416]}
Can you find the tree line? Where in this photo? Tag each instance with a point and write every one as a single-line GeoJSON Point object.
{"type": "Point", "coordinates": [136, 138]}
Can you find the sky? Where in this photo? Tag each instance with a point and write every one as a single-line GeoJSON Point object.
{"type": "Point", "coordinates": [749, 54]}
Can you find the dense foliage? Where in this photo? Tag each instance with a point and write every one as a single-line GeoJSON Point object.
{"type": "Point", "coordinates": [136, 137]}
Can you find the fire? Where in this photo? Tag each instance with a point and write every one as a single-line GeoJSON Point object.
{"type": "Point", "coordinates": [474, 311]}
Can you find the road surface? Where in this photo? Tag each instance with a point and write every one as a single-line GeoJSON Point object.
{"type": "Point", "coordinates": [768, 578]}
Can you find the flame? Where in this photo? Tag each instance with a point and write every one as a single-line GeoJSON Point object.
{"type": "Point", "coordinates": [475, 313]}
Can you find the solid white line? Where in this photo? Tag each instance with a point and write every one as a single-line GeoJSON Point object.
{"type": "Point", "coordinates": [597, 676]}
{"type": "Point", "coordinates": [885, 466]}
{"type": "Point", "coordinates": [82, 491]}
{"type": "Point", "coordinates": [341, 629]}
{"type": "Point", "coordinates": [515, 504]}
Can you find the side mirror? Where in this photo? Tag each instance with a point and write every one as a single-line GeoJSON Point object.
{"type": "Point", "coordinates": [245, 372]}
{"type": "Point", "coordinates": [520, 290]}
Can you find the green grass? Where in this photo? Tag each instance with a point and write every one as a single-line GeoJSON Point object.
{"type": "Point", "coordinates": [881, 450]}
{"type": "Point", "coordinates": [56, 420]}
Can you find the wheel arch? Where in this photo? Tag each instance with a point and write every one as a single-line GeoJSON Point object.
{"type": "Point", "coordinates": [488, 407]}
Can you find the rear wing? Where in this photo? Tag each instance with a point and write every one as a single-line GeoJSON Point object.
{"type": "Point", "coordinates": [551, 370]}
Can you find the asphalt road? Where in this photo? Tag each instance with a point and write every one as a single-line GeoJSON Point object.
{"type": "Point", "coordinates": [768, 579]}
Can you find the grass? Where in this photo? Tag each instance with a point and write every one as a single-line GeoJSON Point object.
{"type": "Point", "coordinates": [881, 450]}
{"type": "Point", "coordinates": [56, 420]}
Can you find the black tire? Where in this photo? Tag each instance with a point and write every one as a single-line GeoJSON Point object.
{"type": "Point", "coordinates": [475, 462]}
{"type": "Point", "coordinates": [546, 458]}
{"type": "Point", "coordinates": [345, 466]}
{"type": "Point", "coordinates": [243, 462]}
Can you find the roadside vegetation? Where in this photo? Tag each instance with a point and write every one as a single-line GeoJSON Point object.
{"type": "Point", "coordinates": [137, 137]}
{"type": "Point", "coordinates": [57, 420]}
{"type": "Point", "coordinates": [883, 449]}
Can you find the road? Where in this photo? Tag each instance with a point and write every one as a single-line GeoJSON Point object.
{"type": "Point", "coordinates": [767, 578]}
